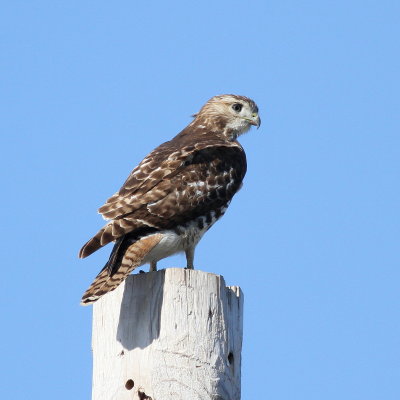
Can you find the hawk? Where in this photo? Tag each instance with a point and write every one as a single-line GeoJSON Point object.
{"type": "Point", "coordinates": [175, 194]}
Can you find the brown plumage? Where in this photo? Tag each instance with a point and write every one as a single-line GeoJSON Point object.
{"type": "Point", "coordinates": [175, 194]}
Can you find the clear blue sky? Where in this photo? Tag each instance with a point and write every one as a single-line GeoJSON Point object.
{"type": "Point", "coordinates": [88, 88]}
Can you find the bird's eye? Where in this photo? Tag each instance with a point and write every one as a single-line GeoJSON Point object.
{"type": "Point", "coordinates": [237, 107]}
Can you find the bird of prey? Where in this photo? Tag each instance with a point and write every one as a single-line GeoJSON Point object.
{"type": "Point", "coordinates": [175, 194]}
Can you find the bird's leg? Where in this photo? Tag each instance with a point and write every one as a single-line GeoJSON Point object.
{"type": "Point", "coordinates": [153, 266]}
{"type": "Point", "coordinates": [189, 257]}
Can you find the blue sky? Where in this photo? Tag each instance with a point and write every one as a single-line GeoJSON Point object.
{"type": "Point", "coordinates": [89, 88]}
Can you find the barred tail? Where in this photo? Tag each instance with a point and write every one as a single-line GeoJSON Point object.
{"type": "Point", "coordinates": [120, 266]}
{"type": "Point", "coordinates": [112, 231]}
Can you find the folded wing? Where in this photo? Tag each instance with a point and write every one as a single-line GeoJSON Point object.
{"type": "Point", "coordinates": [172, 187]}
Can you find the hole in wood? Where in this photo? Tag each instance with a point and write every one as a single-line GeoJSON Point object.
{"type": "Point", "coordinates": [143, 396]}
{"type": "Point", "coordinates": [230, 358]}
{"type": "Point", "coordinates": [129, 384]}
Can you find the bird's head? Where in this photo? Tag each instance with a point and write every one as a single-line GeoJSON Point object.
{"type": "Point", "coordinates": [231, 114]}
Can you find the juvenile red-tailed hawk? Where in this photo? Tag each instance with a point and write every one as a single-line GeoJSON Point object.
{"type": "Point", "coordinates": [175, 194]}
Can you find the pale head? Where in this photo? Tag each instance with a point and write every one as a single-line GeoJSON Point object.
{"type": "Point", "coordinates": [232, 114]}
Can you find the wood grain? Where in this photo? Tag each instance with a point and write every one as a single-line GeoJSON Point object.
{"type": "Point", "coordinates": [170, 334]}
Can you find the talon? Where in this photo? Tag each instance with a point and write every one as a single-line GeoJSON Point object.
{"type": "Point", "coordinates": [153, 266]}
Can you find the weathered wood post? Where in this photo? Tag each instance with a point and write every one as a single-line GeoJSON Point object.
{"type": "Point", "coordinates": [171, 334]}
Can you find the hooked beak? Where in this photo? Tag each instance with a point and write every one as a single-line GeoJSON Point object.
{"type": "Point", "coordinates": [256, 120]}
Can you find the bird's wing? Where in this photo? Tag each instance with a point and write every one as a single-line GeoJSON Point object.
{"type": "Point", "coordinates": [207, 183]}
{"type": "Point", "coordinates": [139, 188]}
{"type": "Point", "coordinates": [167, 190]}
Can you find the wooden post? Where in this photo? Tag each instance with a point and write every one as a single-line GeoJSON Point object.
{"type": "Point", "coordinates": [171, 334]}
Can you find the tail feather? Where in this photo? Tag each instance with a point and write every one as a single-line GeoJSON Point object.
{"type": "Point", "coordinates": [105, 235]}
{"type": "Point", "coordinates": [122, 262]}
{"type": "Point", "coordinates": [112, 231]}
{"type": "Point", "coordinates": [102, 237]}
